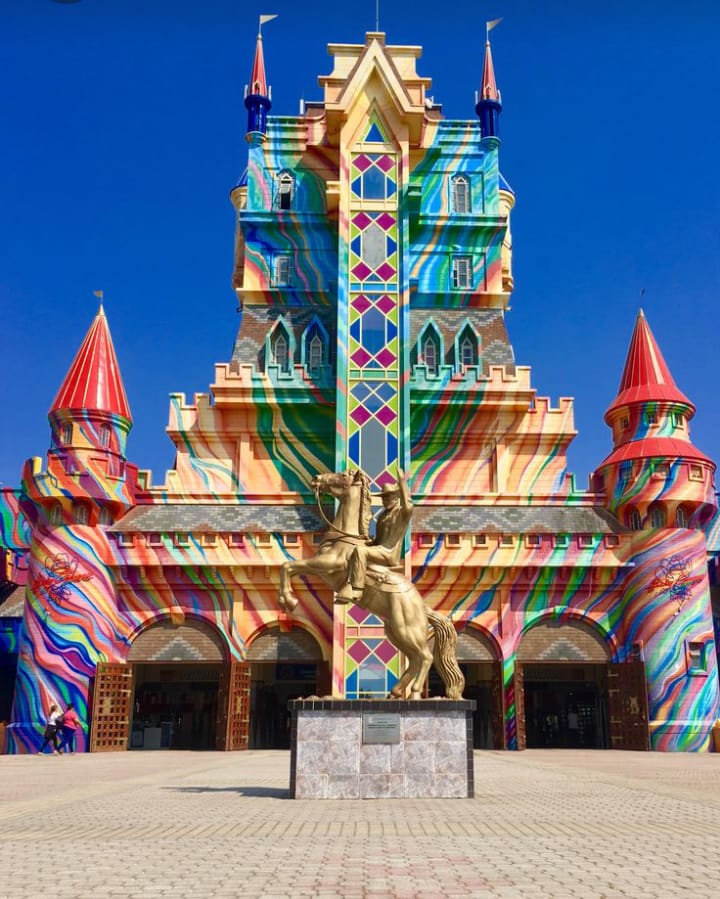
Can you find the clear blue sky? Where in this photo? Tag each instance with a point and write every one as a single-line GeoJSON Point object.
{"type": "Point", "coordinates": [123, 132]}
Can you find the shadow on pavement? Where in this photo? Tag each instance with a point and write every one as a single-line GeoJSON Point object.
{"type": "Point", "coordinates": [267, 792]}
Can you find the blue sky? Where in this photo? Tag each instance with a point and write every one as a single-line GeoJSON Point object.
{"type": "Point", "coordinates": [124, 131]}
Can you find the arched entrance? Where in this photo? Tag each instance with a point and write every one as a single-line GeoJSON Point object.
{"type": "Point", "coordinates": [562, 673]}
{"type": "Point", "coordinates": [284, 665]}
{"type": "Point", "coordinates": [177, 676]}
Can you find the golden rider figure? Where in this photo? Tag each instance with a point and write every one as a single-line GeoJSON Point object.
{"type": "Point", "coordinates": [390, 528]}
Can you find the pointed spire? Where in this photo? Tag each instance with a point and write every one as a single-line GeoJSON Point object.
{"type": "Point", "coordinates": [646, 376]}
{"type": "Point", "coordinates": [258, 94]}
{"type": "Point", "coordinates": [93, 381]}
{"type": "Point", "coordinates": [489, 105]}
{"type": "Point", "coordinates": [258, 82]}
{"type": "Point", "coordinates": [488, 87]}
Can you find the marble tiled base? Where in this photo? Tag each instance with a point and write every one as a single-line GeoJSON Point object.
{"type": "Point", "coordinates": [329, 760]}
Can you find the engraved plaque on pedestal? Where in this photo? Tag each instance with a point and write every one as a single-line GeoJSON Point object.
{"type": "Point", "coordinates": [381, 728]}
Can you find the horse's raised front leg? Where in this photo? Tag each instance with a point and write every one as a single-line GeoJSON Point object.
{"type": "Point", "coordinates": [287, 599]}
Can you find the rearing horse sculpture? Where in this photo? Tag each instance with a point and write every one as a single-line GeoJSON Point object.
{"type": "Point", "coordinates": [387, 593]}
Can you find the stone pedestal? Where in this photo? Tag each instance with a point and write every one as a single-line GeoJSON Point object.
{"type": "Point", "coordinates": [381, 749]}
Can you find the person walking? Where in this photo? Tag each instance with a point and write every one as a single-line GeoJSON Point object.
{"type": "Point", "coordinates": [51, 730]}
{"type": "Point", "coordinates": [68, 728]}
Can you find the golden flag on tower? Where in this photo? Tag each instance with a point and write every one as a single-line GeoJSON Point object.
{"type": "Point", "coordinates": [490, 25]}
{"type": "Point", "coordinates": [98, 293]}
{"type": "Point", "coordinates": [264, 19]}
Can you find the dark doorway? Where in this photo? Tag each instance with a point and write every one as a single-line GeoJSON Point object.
{"type": "Point", "coordinates": [175, 706]}
{"type": "Point", "coordinates": [566, 706]}
{"type": "Point", "coordinates": [273, 685]}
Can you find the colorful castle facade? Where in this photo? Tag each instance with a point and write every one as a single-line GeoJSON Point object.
{"type": "Point", "coordinates": [373, 267]}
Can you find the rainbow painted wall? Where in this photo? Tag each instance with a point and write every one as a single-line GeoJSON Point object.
{"type": "Point", "coordinates": [373, 265]}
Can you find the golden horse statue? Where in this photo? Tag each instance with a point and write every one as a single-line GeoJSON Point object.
{"type": "Point", "coordinates": [386, 593]}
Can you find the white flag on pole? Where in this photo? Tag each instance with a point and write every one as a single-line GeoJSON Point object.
{"type": "Point", "coordinates": [490, 25]}
{"type": "Point", "coordinates": [264, 19]}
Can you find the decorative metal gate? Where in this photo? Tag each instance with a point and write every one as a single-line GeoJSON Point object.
{"type": "Point", "coordinates": [111, 707]}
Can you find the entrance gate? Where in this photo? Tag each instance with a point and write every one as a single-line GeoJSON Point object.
{"type": "Point", "coordinates": [568, 694]}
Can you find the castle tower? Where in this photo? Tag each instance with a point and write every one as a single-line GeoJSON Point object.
{"type": "Point", "coordinates": [661, 487]}
{"type": "Point", "coordinates": [71, 619]}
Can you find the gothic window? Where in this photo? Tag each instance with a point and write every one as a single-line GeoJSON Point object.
{"type": "Point", "coordinates": [461, 272]}
{"type": "Point", "coordinates": [657, 517]}
{"type": "Point", "coordinates": [681, 517]}
{"type": "Point", "coordinates": [315, 352]}
{"type": "Point", "coordinates": [466, 348]}
{"type": "Point", "coordinates": [56, 515]}
{"type": "Point", "coordinates": [460, 194]}
{"type": "Point", "coordinates": [634, 521]}
{"type": "Point", "coordinates": [105, 435]}
{"type": "Point", "coordinates": [285, 184]}
{"type": "Point", "coordinates": [430, 355]}
{"type": "Point", "coordinates": [105, 516]}
{"type": "Point", "coordinates": [280, 352]}
{"type": "Point", "coordinates": [282, 270]}
{"type": "Point", "coordinates": [66, 433]}
{"type": "Point", "coordinates": [82, 516]}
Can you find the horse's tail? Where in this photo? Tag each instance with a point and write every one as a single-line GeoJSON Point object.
{"type": "Point", "coordinates": [444, 654]}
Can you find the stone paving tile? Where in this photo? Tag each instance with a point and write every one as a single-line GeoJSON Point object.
{"type": "Point", "coordinates": [543, 825]}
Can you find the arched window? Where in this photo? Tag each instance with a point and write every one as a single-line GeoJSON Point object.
{"type": "Point", "coordinates": [657, 517]}
{"type": "Point", "coordinates": [467, 350]}
{"type": "Point", "coordinates": [280, 352]}
{"type": "Point", "coordinates": [105, 517]}
{"type": "Point", "coordinates": [681, 517]}
{"type": "Point", "coordinates": [66, 433]}
{"type": "Point", "coordinates": [56, 515]}
{"type": "Point", "coordinates": [315, 352]}
{"type": "Point", "coordinates": [82, 516]}
{"type": "Point", "coordinates": [105, 435]}
{"type": "Point", "coordinates": [634, 521]}
{"type": "Point", "coordinates": [285, 184]}
{"type": "Point", "coordinates": [460, 194]}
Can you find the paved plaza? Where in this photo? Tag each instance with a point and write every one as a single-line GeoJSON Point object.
{"type": "Point", "coordinates": [203, 825]}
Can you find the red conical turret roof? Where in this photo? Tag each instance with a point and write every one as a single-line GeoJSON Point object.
{"type": "Point", "coordinates": [646, 377]}
{"type": "Point", "coordinates": [488, 88]}
{"type": "Point", "coordinates": [94, 381]}
{"type": "Point", "coordinates": [258, 82]}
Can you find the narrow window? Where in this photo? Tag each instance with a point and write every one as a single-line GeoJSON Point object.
{"type": "Point", "coordinates": [285, 190]}
{"type": "Point", "coordinates": [625, 423]}
{"type": "Point", "coordinates": [696, 657]}
{"type": "Point", "coordinates": [81, 513]}
{"type": "Point", "coordinates": [651, 417]}
{"type": "Point", "coordinates": [66, 433]}
{"type": "Point", "coordinates": [280, 352]}
{"type": "Point", "coordinates": [460, 194]}
{"type": "Point", "coordinates": [467, 351]}
{"type": "Point", "coordinates": [681, 517]}
{"type": "Point", "coordinates": [426, 540]}
{"type": "Point", "coordinates": [634, 520]}
{"type": "Point", "coordinates": [56, 515]}
{"type": "Point", "coordinates": [677, 419]}
{"type": "Point", "coordinates": [696, 472]}
{"type": "Point", "coordinates": [661, 470]}
{"type": "Point", "coordinates": [105, 517]}
{"type": "Point", "coordinates": [105, 435]}
{"type": "Point", "coordinates": [315, 352]}
{"type": "Point", "coordinates": [461, 272]}
{"type": "Point", "coordinates": [657, 517]}
{"type": "Point", "coordinates": [625, 474]}
{"type": "Point", "coordinates": [282, 270]}
{"type": "Point", "coordinates": [430, 356]}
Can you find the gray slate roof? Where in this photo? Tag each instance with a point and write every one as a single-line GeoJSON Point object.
{"type": "Point", "coordinates": [434, 519]}
{"type": "Point", "coordinates": [221, 518]}
{"type": "Point", "coordinates": [516, 519]}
